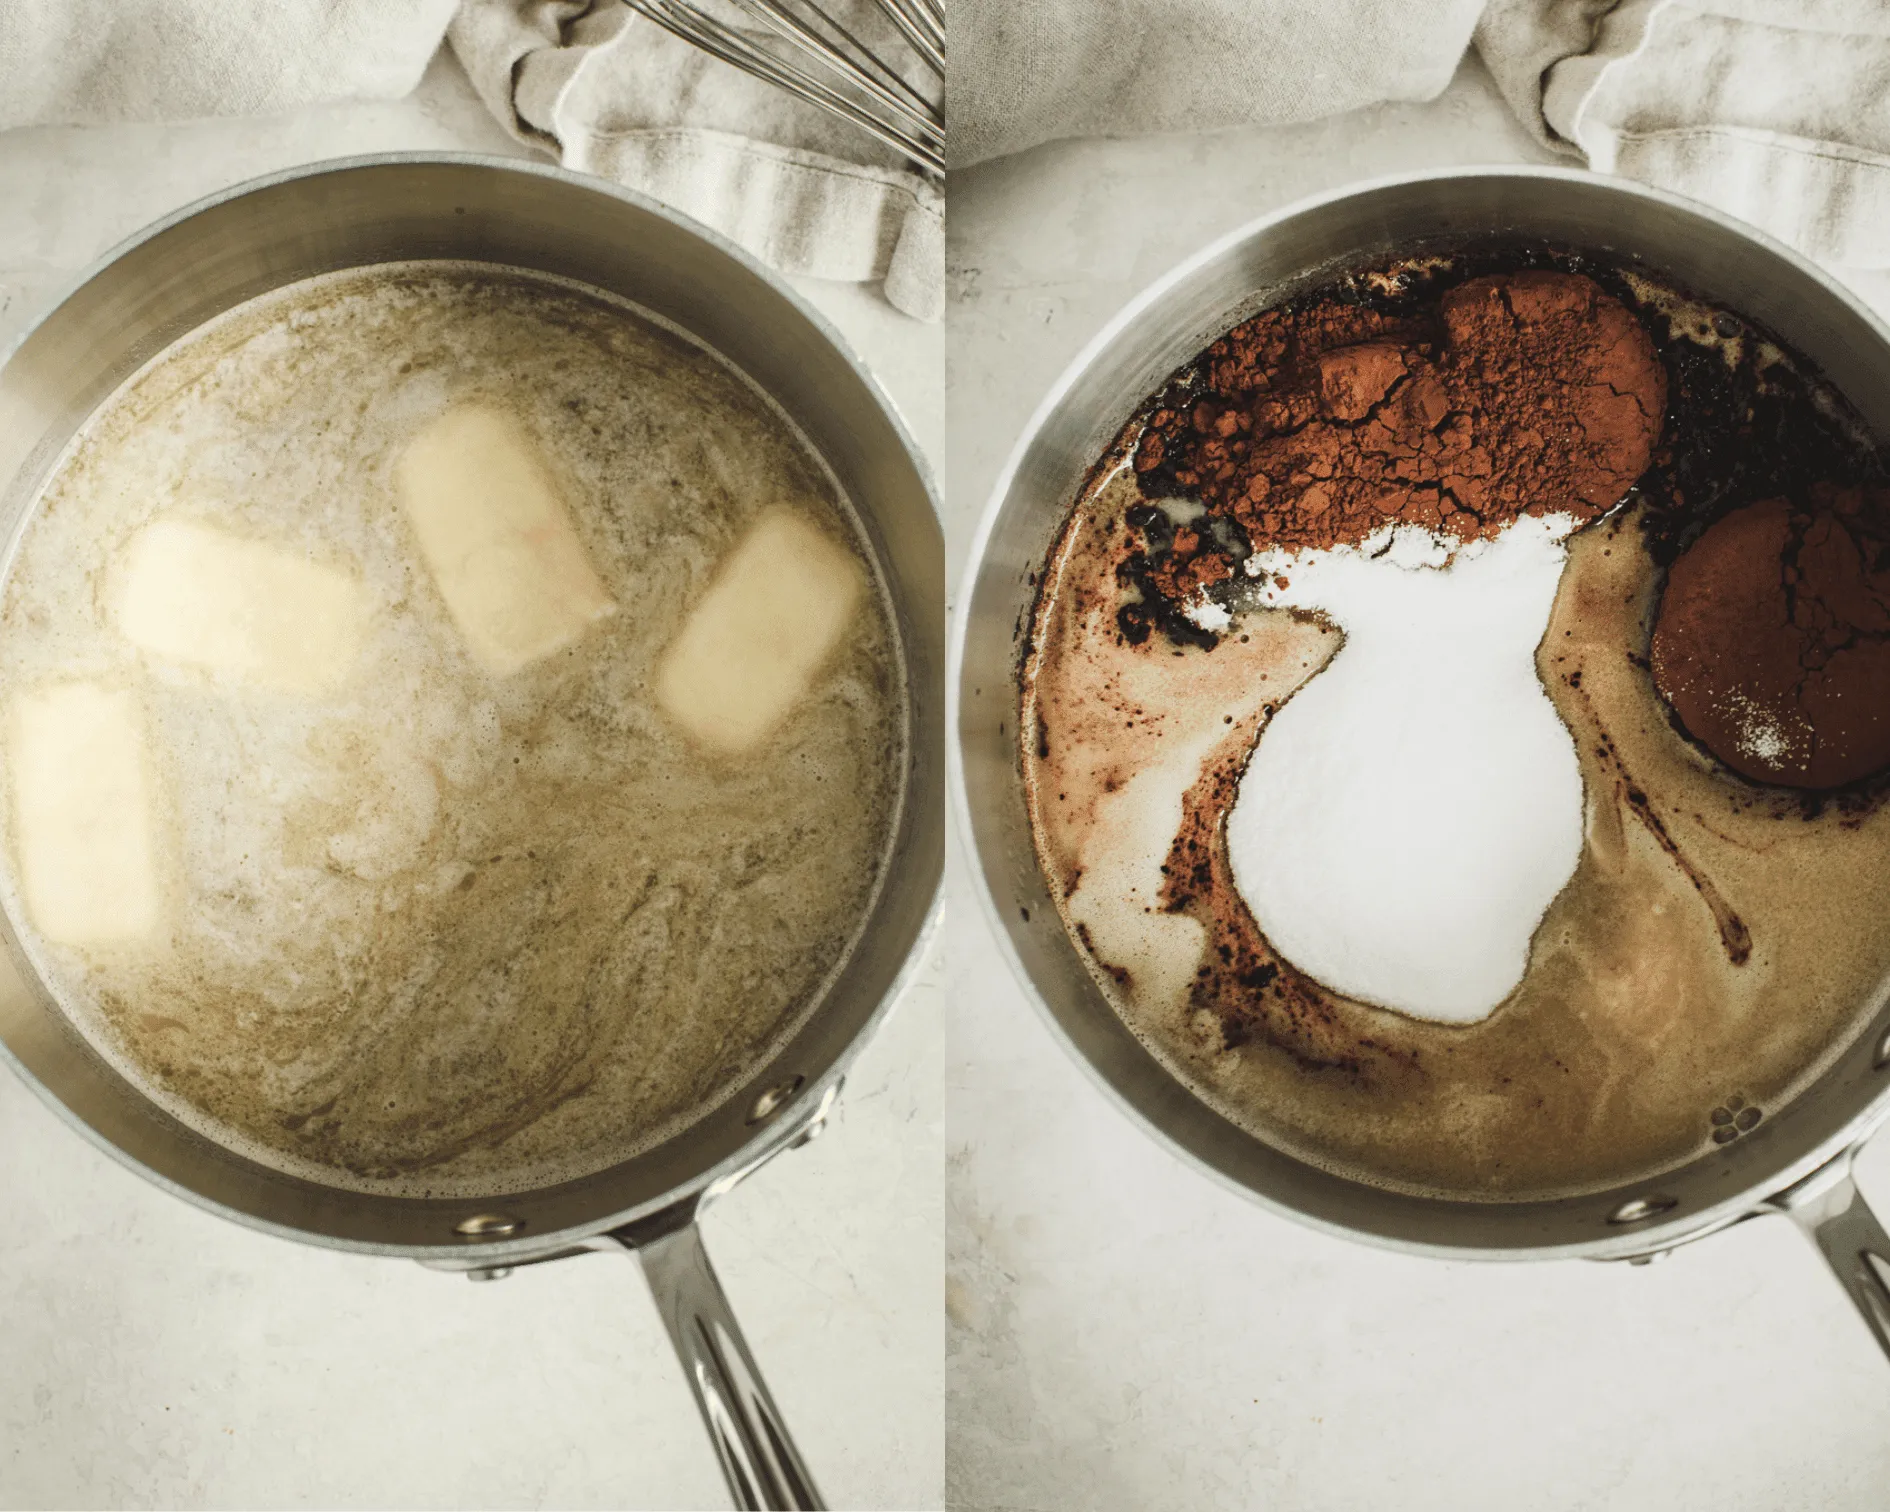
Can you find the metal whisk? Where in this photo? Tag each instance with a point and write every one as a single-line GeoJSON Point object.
{"type": "Point", "coordinates": [827, 65]}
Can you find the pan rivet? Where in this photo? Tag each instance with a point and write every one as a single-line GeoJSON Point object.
{"type": "Point", "coordinates": [487, 1226]}
{"type": "Point", "coordinates": [775, 1099]}
{"type": "Point", "coordinates": [1882, 1057]}
{"type": "Point", "coordinates": [1640, 1209]}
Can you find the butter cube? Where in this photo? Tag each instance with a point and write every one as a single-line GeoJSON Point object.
{"type": "Point", "coordinates": [82, 815]}
{"type": "Point", "coordinates": [497, 539]}
{"type": "Point", "coordinates": [773, 613]}
{"type": "Point", "coordinates": [195, 593]}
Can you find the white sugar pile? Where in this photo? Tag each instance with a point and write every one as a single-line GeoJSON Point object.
{"type": "Point", "coordinates": [1415, 807]}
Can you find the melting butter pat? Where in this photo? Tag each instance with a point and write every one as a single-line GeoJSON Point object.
{"type": "Point", "coordinates": [497, 539]}
{"type": "Point", "coordinates": [82, 815]}
{"type": "Point", "coordinates": [773, 613]}
{"type": "Point", "coordinates": [195, 593]}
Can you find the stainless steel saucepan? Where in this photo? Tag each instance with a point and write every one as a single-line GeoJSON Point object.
{"type": "Point", "coordinates": [1798, 1162]}
{"type": "Point", "coordinates": [186, 270]}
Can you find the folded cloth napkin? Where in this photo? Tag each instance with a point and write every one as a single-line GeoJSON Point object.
{"type": "Point", "coordinates": [614, 94]}
{"type": "Point", "coordinates": [586, 80]}
{"type": "Point", "coordinates": [1776, 111]}
{"type": "Point", "coordinates": [1023, 74]}
{"type": "Point", "coordinates": [84, 61]}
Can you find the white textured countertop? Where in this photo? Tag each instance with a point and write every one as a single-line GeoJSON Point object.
{"type": "Point", "coordinates": [1127, 1333]}
{"type": "Point", "coordinates": [155, 1355]}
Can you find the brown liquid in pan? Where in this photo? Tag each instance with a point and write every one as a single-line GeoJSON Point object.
{"type": "Point", "coordinates": [440, 931]}
{"type": "Point", "coordinates": [1719, 942]}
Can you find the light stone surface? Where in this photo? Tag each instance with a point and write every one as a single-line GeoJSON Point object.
{"type": "Point", "coordinates": [1127, 1333]}
{"type": "Point", "coordinates": [158, 1356]}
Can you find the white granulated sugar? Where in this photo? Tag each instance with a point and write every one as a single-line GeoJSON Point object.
{"type": "Point", "coordinates": [1762, 736]}
{"type": "Point", "coordinates": [1208, 615]}
{"type": "Point", "coordinates": [1764, 740]}
{"type": "Point", "coordinates": [1415, 807]}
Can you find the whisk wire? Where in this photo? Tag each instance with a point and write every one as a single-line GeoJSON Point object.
{"type": "Point", "coordinates": [904, 120]}
{"type": "Point", "coordinates": [918, 28]}
{"type": "Point", "coordinates": [848, 53]}
{"type": "Point", "coordinates": [928, 13]}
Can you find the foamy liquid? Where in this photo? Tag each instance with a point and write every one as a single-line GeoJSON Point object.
{"type": "Point", "coordinates": [436, 930]}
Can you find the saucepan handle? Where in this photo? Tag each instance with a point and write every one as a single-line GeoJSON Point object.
{"type": "Point", "coordinates": [763, 1467]}
{"type": "Point", "coordinates": [1835, 1217]}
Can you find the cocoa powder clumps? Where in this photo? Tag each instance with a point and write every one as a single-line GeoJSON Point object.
{"type": "Point", "coordinates": [1772, 644]}
{"type": "Point", "coordinates": [1317, 425]}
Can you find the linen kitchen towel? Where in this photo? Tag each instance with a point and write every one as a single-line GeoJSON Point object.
{"type": "Point", "coordinates": [587, 81]}
{"type": "Point", "coordinates": [1776, 111]}
{"type": "Point", "coordinates": [612, 93]}
{"type": "Point", "coordinates": [86, 61]}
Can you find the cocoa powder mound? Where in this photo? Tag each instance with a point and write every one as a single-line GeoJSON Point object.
{"type": "Point", "coordinates": [1532, 392]}
{"type": "Point", "coordinates": [1772, 643]}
